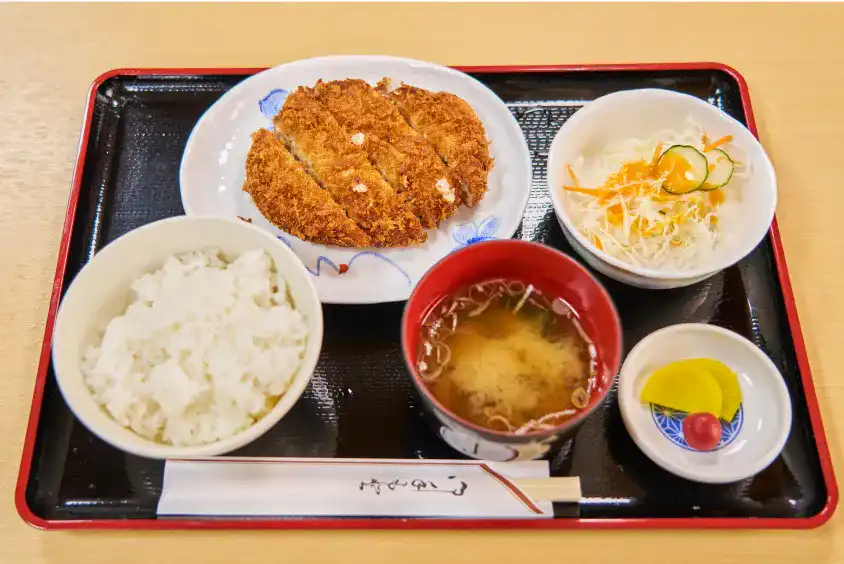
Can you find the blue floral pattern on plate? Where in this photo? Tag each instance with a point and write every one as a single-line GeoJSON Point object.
{"type": "Point", "coordinates": [271, 104]}
{"type": "Point", "coordinates": [342, 268]}
{"type": "Point", "coordinates": [471, 232]}
{"type": "Point", "coordinates": [670, 424]}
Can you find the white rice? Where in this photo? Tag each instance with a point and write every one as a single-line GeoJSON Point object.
{"type": "Point", "coordinates": [205, 349]}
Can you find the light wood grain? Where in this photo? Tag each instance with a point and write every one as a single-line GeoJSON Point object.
{"type": "Point", "coordinates": [792, 56]}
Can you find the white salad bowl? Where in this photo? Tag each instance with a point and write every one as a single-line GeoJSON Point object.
{"type": "Point", "coordinates": [641, 113]}
{"type": "Point", "coordinates": [101, 291]}
{"type": "Point", "coordinates": [749, 443]}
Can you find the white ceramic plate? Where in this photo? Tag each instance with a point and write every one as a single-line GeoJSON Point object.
{"type": "Point", "coordinates": [749, 443]}
{"type": "Point", "coordinates": [213, 170]}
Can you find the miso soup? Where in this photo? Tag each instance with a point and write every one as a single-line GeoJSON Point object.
{"type": "Point", "coordinates": [506, 357]}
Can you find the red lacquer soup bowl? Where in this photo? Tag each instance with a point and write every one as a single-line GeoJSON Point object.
{"type": "Point", "coordinates": [556, 275]}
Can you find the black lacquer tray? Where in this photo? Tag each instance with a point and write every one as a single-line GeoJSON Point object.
{"type": "Point", "coordinates": [360, 403]}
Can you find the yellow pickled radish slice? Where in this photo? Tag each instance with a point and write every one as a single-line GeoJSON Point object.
{"type": "Point", "coordinates": [683, 388]}
{"type": "Point", "coordinates": [727, 380]}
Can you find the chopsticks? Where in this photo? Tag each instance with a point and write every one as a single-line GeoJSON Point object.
{"type": "Point", "coordinates": [246, 486]}
{"type": "Point", "coordinates": [559, 490]}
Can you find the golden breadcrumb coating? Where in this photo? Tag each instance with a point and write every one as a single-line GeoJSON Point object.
{"type": "Point", "coordinates": [401, 154]}
{"type": "Point", "coordinates": [448, 123]}
{"type": "Point", "coordinates": [344, 170]}
{"type": "Point", "coordinates": [289, 198]}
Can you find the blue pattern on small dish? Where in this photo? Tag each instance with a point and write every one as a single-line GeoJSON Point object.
{"type": "Point", "coordinates": [670, 424]}
{"type": "Point", "coordinates": [271, 104]}
{"type": "Point", "coordinates": [471, 232]}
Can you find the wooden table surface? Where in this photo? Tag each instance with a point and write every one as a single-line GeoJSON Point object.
{"type": "Point", "coordinates": [791, 55]}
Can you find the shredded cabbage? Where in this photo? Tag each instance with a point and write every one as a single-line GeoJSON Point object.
{"type": "Point", "coordinates": [626, 213]}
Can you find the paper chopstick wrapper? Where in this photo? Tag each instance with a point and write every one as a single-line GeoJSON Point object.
{"type": "Point", "coordinates": [266, 487]}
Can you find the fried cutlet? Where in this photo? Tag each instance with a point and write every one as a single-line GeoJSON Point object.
{"type": "Point", "coordinates": [288, 197]}
{"type": "Point", "coordinates": [343, 168]}
{"type": "Point", "coordinates": [448, 123]}
{"type": "Point", "coordinates": [401, 154]}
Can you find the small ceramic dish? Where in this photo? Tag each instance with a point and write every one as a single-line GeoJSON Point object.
{"type": "Point", "coordinates": [554, 273]}
{"type": "Point", "coordinates": [639, 114]}
{"type": "Point", "coordinates": [749, 443]}
{"type": "Point", "coordinates": [100, 292]}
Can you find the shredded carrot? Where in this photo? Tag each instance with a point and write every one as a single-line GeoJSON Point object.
{"type": "Point", "coordinates": [718, 143]}
{"type": "Point", "coordinates": [657, 154]}
{"type": "Point", "coordinates": [597, 192]}
{"type": "Point", "coordinates": [609, 194]}
{"type": "Point", "coordinates": [619, 195]}
{"type": "Point", "coordinates": [630, 189]}
{"type": "Point", "coordinates": [716, 197]}
{"type": "Point", "coordinates": [615, 214]}
{"type": "Point", "coordinates": [645, 228]}
{"type": "Point", "coordinates": [573, 175]}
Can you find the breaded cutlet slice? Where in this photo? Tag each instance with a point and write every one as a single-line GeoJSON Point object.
{"type": "Point", "coordinates": [290, 199]}
{"type": "Point", "coordinates": [450, 125]}
{"type": "Point", "coordinates": [343, 169]}
{"type": "Point", "coordinates": [401, 154]}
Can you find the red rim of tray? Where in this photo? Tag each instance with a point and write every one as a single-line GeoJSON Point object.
{"type": "Point", "coordinates": [368, 523]}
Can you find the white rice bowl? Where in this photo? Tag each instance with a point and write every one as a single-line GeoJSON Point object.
{"type": "Point", "coordinates": [194, 356]}
{"type": "Point", "coordinates": [205, 349]}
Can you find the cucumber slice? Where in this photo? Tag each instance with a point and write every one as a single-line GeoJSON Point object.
{"type": "Point", "coordinates": [685, 169]}
{"type": "Point", "coordinates": [721, 170]}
